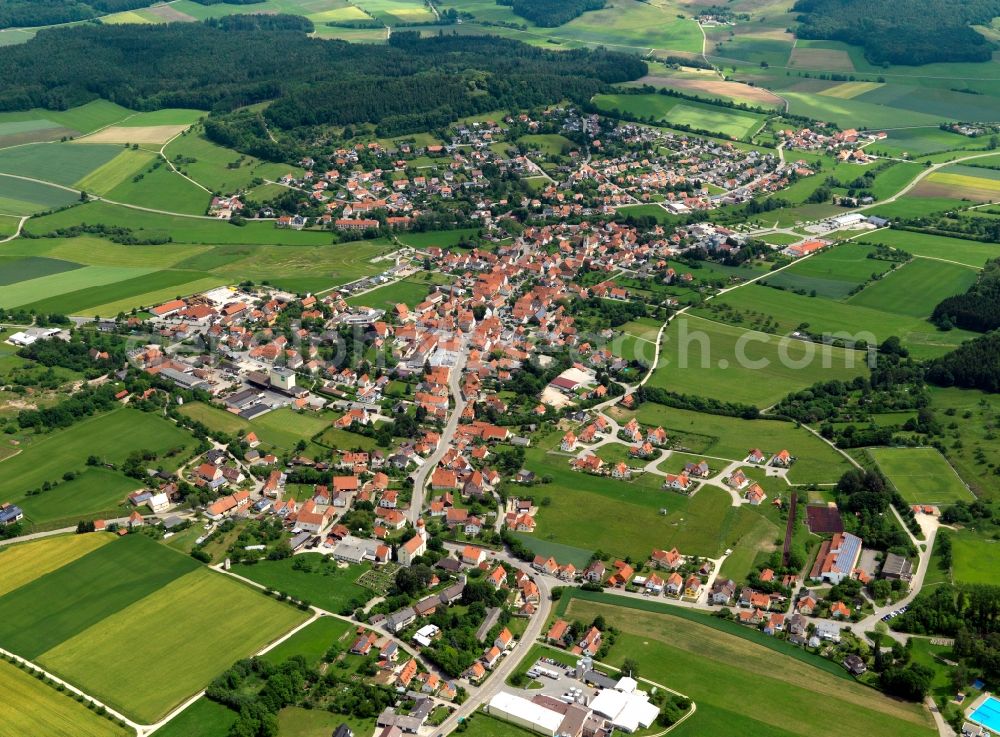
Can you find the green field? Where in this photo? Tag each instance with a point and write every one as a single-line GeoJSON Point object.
{"type": "Point", "coordinates": [832, 273]}
{"type": "Point", "coordinates": [974, 558]}
{"type": "Point", "coordinates": [20, 197]}
{"type": "Point", "coordinates": [408, 292]}
{"type": "Point", "coordinates": [60, 284]}
{"type": "Point", "coordinates": [730, 438]}
{"type": "Point", "coordinates": [710, 359]}
{"type": "Point", "coordinates": [33, 267]}
{"type": "Point", "coordinates": [280, 430]}
{"type": "Point", "coordinates": [916, 288]}
{"type": "Point", "coordinates": [787, 312]}
{"type": "Point", "coordinates": [627, 518]}
{"type": "Point", "coordinates": [105, 178]}
{"type": "Point", "coordinates": [38, 709]}
{"type": "Point", "coordinates": [111, 436]}
{"type": "Point", "coordinates": [971, 443]}
{"type": "Point", "coordinates": [314, 641]}
{"type": "Point", "coordinates": [23, 563]}
{"type": "Point", "coordinates": [714, 668]}
{"type": "Point", "coordinates": [204, 718]}
{"type": "Point", "coordinates": [971, 253]}
{"type": "Point", "coordinates": [221, 169]}
{"type": "Point", "coordinates": [162, 189]}
{"type": "Point", "coordinates": [921, 475]}
{"type": "Point", "coordinates": [697, 115]}
{"type": "Point", "coordinates": [82, 119]}
{"type": "Point", "coordinates": [326, 586]}
{"type": "Point", "coordinates": [204, 621]}
{"type": "Point", "coordinates": [58, 606]}
{"type": "Point", "coordinates": [61, 163]}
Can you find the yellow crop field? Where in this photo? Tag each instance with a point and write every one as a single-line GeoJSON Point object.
{"type": "Point", "coordinates": [339, 15]}
{"type": "Point", "coordinates": [134, 134]}
{"type": "Point", "coordinates": [21, 564]}
{"type": "Point", "coordinates": [849, 90]}
{"type": "Point", "coordinates": [31, 707]}
{"type": "Point", "coordinates": [108, 176]}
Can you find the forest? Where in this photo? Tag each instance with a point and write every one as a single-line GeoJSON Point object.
{"type": "Point", "coordinates": [550, 13]}
{"type": "Point", "coordinates": [973, 365]}
{"type": "Point", "coordinates": [405, 86]}
{"type": "Point", "coordinates": [908, 32]}
{"type": "Point", "coordinates": [978, 308]}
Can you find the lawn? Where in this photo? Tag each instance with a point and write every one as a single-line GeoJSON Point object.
{"type": "Point", "coordinates": [23, 563]}
{"type": "Point", "coordinates": [408, 292]}
{"type": "Point", "coordinates": [82, 119]}
{"type": "Point", "coordinates": [298, 722]}
{"type": "Point", "coordinates": [730, 438]}
{"type": "Point", "coordinates": [221, 169]}
{"type": "Point", "coordinates": [204, 621]}
{"type": "Point", "coordinates": [60, 605]}
{"type": "Point", "coordinates": [759, 537]}
{"type": "Point", "coordinates": [314, 641]}
{"type": "Point", "coordinates": [974, 558]}
{"type": "Point", "coordinates": [327, 585]}
{"type": "Point", "coordinates": [579, 557]}
{"type": "Point", "coordinates": [916, 288]}
{"type": "Point", "coordinates": [710, 359]}
{"type": "Point", "coordinates": [714, 668]}
{"type": "Point", "coordinates": [921, 475]}
{"type": "Point", "coordinates": [204, 718]}
{"type": "Point", "coordinates": [550, 144]}
{"type": "Point", "coordinates": [697, 115]}
{"type": "Point", "coordinates": [111, 436]}
{"type": "Point", "coordinates": [38, 709]}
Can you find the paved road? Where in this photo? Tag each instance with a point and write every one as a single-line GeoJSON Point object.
{"type": "Point", "coordinates": [430, 463]}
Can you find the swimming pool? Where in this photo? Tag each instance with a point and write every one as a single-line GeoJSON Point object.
{"type": "Point", "coordinates": [988, 714]}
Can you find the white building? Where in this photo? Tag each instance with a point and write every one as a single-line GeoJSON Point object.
{"type": "Point", "coordinates": [524, 713]}
{"type": "Point", "coordinates": [158, 502]}
{"type": "Point", "coordinates": [627, 711]}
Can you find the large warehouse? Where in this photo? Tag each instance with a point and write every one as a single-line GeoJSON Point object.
{"type": "Point", "coordinates": [525, 713]}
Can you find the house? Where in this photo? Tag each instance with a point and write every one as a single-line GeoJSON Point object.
{"type": "Point", "coordinates": [505, 640]}
{"type": "Point", "coordinates": [621, 471]}
{"type": "Point", "coordinates": [698, 470]}
{"type": "Point", "coordinates": [674, 584]}
{"type": "Point", "coordinates": [10, 514]}
{"type": "Point", "coordinates": [755, 494]}
{"type": "Point", "coordinates": [677, 482]}
{"type": "Point", "coordinates": [135, 521]}
{"type": "Point", "coordinates": [654, 584]}
{"type": "Point", "coordinates": [775, 623]}
{"type": "Point", "coordinates": [591, 642]}
{"type": "Point", "coordinates": [839, 610]}
{"type": "Point", "coordinates": [568, 442]}
{"type": "Point", "coordinates": [722, 592]}
{"type": "Point", "coordinates": [855, 665]}
{"type": "Point", "coordinates": [755, 455]}
{"type": "Point", "coordinates": [782, 459]}
{"type": "Point", "coordinates": [557, 632]}
{"type": "Point", "coordinates": [491, 657]}
{"type": "Point", "coordinates": [473, 556]}
{"type": "Point", "coordinates": [595, 572]}
{"type": "Point", "coordinates": [667, 559]}
{"type": "Point", "coordinates": [692, 587]}
{"type": "Point", "coordinates": [806, 605]}
{"type": "Point", "coordinates": [737, 480]}
{"type": "Point", "coordinates": [622, 575]}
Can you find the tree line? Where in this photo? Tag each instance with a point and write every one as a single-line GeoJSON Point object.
{"type": "Point", "coordinates": [978, 308]}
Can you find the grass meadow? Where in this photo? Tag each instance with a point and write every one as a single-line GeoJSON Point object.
{"type": "Point", "coordinates": [36, 708]}
{"type": "Point", "coordinates": [61, 163]}
{"type": "Point", "coordinates": [204, 718]}
{"type": "Point", "coordinates": [703, 357]}
{"type": "Point", "coordinates": [921, 475]}
{"type": "Point", "coordinates": [971, 443]}
{"type": "Point", "coordinates": [833, 273]}
{"type": "Point", "coordinates": [327, 585]}
{"type": "Point", "coordinates": [915, 288]}
{"type": "Point", "coordinates": [714, 668]}
{"type": "Point", "coordinates": [629, 521]}
{"type": "Point", "coordinates": [111, 436]}
{"type": "Point", "coordinates": [312, 642]}
{"type": "Point", "coordinates": [970, 253]}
